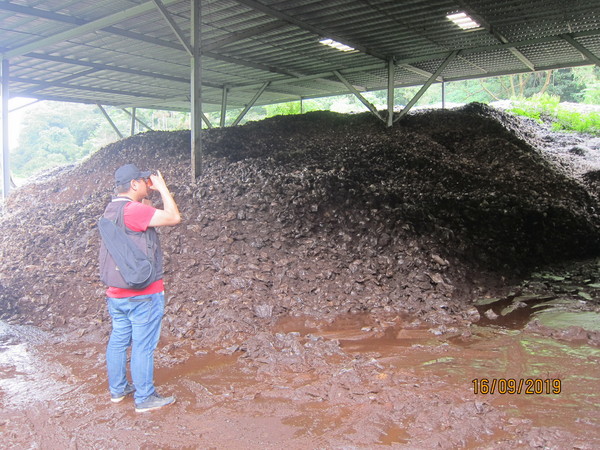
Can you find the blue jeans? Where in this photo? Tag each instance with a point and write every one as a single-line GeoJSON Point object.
{"type": "Point", "coordinates": [135, 321]}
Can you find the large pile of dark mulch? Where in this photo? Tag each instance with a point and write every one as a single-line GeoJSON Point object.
{"type": "Point", "coordinates": [315, 214]}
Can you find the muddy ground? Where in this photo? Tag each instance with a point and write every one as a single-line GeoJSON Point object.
{"type": "Point", "coordinates": [333, 285]}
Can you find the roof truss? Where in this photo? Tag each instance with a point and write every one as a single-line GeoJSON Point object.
{"type": "Point", "coordinates": [137, 52]}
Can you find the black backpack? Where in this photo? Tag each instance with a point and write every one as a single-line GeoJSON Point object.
{"type": "Point", "coordinates": [131, 262]}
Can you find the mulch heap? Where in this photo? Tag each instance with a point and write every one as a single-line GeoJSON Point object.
{"type": "Point", "coordinates": [319, 214]}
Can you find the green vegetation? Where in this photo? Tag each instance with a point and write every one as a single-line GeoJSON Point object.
{"type": "Point", "coordinates": [55, 134]}
{"type": "Point", "coordinates": [547, 108]}
{"type": "Point", "coordinates": [579, 122]}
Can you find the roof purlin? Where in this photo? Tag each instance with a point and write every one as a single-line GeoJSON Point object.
{"type": "Point", "coordinates": [251, 42]}
{"type": "Point", "coordinates": [80, 30]}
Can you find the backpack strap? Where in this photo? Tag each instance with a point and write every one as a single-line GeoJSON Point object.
{"type": "Point", "coordinates": [120, 222]}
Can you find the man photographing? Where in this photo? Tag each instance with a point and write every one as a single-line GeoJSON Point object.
{"type": "Point", "coordinates": [136, 313]}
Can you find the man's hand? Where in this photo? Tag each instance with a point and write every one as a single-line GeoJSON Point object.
{"type": "Point", "coordinates": [169, 215]}
{"type": "Point", "coordinates": [158, 182]}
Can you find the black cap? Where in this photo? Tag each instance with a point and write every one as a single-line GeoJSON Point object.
{"type": "Point", "coordinates": [128, 172]}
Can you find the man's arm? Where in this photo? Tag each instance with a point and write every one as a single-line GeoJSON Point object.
{"type": "Point", "coordinates": [169, 215]}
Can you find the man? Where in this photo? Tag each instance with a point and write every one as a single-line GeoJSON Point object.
{"type": "Point", "coordinates": [137, 314]}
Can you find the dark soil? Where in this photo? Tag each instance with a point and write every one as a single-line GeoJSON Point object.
{"type": "Point", "coordinates": [323, 215]}
{"type": "Point", "coordinates": [316, 214]}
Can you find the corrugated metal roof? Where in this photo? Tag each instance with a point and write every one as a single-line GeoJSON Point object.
{"type": "Point", "coordinates": [123, 52]}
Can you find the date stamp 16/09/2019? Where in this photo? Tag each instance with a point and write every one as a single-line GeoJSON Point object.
{"type": "Point", "coordinates": [528, 386]}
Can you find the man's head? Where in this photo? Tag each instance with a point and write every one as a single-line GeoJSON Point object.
{"type": "Point", "coordinates": [130, 179]}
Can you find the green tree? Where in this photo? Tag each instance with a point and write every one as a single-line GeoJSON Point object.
{"type": "Point", "coordinates": [53, 134]}
{"type": "Point", "coordinates": [283, 109]}
{"type": "Point", "coordinates": [589, 78]}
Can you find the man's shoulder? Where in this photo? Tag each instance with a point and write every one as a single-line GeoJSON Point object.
{"type": "Point", "coordinates": [138, 207]}
{"type": "Point", "coordinates": [137, 215]}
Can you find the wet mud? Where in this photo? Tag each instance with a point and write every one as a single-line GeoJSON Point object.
{"type": "Point", "coordinates": [333, 285]}
{"type": "Point", "coordinates": [363, 380]}
{"type": "Point", "coordinates": [353, 382]}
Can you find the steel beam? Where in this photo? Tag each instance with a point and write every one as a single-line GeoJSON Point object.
{"type": "Point", "coordinates": [284, 81]}
{"type": "Point", "coordinates": [76, 87]}
{"type": "Point", "coordinates": [59, 80]}
{"type": "Point", "coordinates": [306, 26]}
{"type": "Point", "coordinates": [112, 124]}
{"type": "Point", "coordinates": [250, 105]}
{"type": "Point", "coordinates": [5, 68]}
{"type": "Point", "coordinates": [196, 89]}
{"type": "Point", "coordinates": [292, 78]}
{"type": "Point", "coordinates": [175, 104]}
{"type": "Point", "coordinates": [516, 72]}
{"type": "Point", "coordinates": [137, 119]}
{"type": "Point", "coordinates": [106, 67]}
{"type": "Point", "coordinates": [206, 121]}
{"type": "Point", "coordinates": [234, 37]}
{"type": "Point", "coordinates": [24, 106]}
{"type": "Point", "coordinates": [252, 65]}
{"type": "Point", "coordinates": [130, 35]}
{"type": "Point", "coordinates": [500, 37]}
{"type": "Point", "coordinates": [64, 18]}
{"type": "Point", "coordinates": [429, 82]}
{"type": "Point", "coordinates": [358, 95]}
{"type": "Point", "coordinates": [581, 49]}
{"type": "Point", "coordinates": [178, 32]}
{"type": "Point", "coordinates": [416, 70]}
{"type": "Point", "coordinates": [181, 105]}
{"type": "Point", "coordinates": [81, 30]}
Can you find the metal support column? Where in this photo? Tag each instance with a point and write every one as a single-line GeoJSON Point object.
{"type": "Point", "coordinates": [429, 82]}
{"type": "Point", "coordinates": [390, 92]}
{"type": "Point", "coordinates": [224, 106]}
{"type": "Point", "coordinates": [196, 90]}
{"type": "Point", "coordinates": [112, 124]}
{"type": "Point", "coordinates": [133, 110]}
{"type": "Point", "coordinates": [443, 95]}
{"type": "Point", "coordinates": [5, 141]}
{"type": "Point", "coordinates": [358, 95]}
{"type": "Point", "coordinates": [137, 119]}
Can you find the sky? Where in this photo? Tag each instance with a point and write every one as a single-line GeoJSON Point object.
{"type": "Point", "coordinates": [15, 118]}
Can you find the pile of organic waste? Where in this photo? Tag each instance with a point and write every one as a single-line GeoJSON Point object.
{"type": "Point", "coordinates": [333, 284]}
{"type": "Point", "coordinates": [317, 214]}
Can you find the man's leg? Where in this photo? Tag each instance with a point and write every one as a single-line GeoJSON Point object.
{"type": "Point", "coordinates": [116, 351]}
{"type": "Point", "coordinates": [146, 316]}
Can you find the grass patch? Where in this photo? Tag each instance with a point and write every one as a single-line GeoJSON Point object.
{"type": "Point", "coordinates": [547, 108]}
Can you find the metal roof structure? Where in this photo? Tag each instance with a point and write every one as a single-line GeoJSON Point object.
{"type": "Point", "coordinates": [137, 52]}
{"type": "Point", "coordinates": [150, 53]}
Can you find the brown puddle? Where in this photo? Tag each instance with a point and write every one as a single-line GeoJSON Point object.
{"type": "Point", "coordinates": [538, 381]}
{"type": "Point", "coordinates": [391, 384]}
